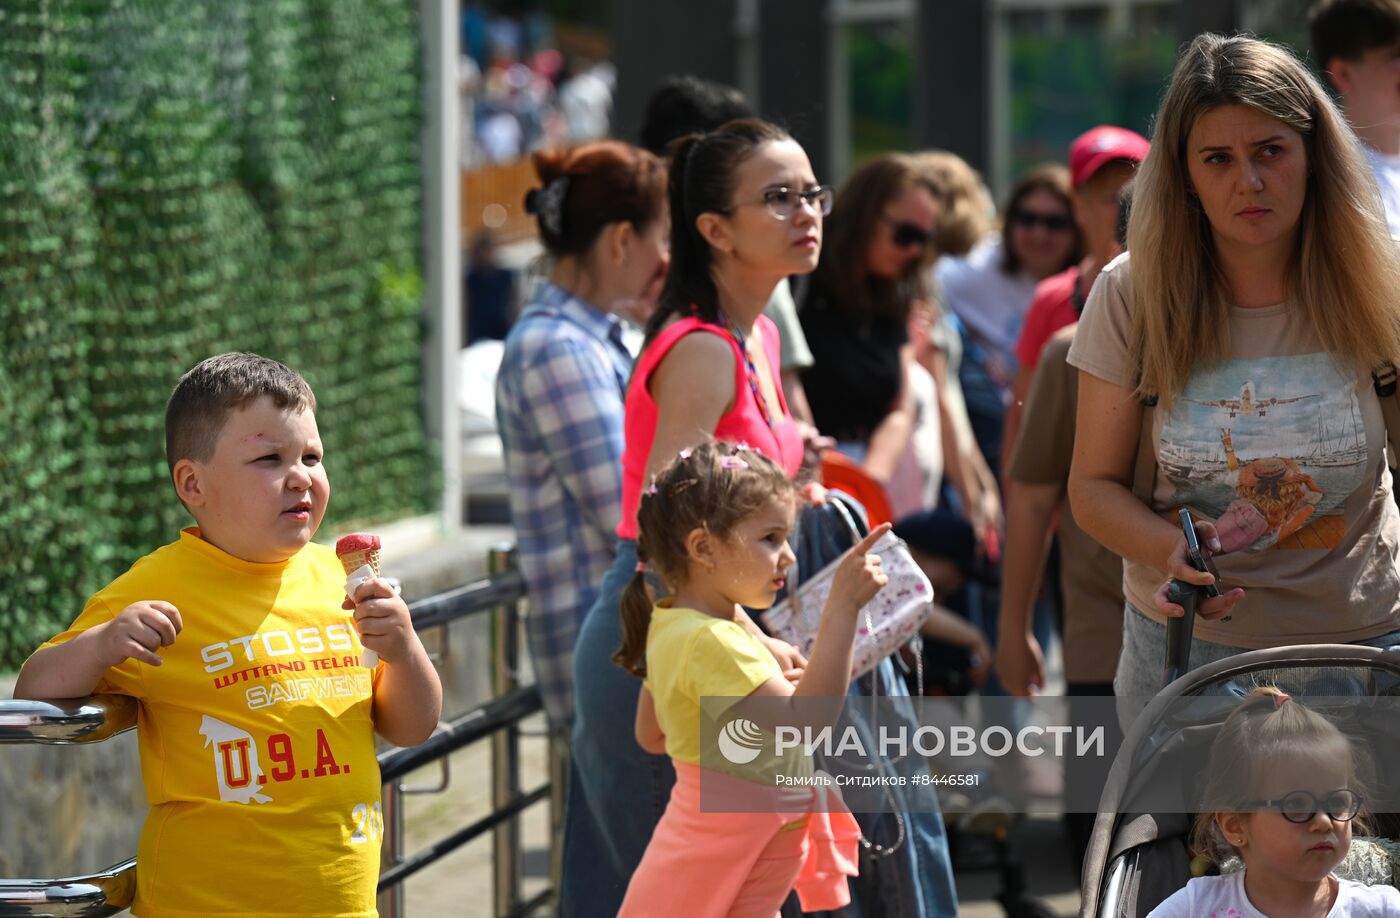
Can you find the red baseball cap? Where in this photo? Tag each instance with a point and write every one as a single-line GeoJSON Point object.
{"type": "Point", "coordinates": [1100, 145]}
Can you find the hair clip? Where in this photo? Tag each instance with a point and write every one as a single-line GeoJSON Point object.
{"type": "Point", "coordinates": [650, 490]}
{"type": "Point", "coordinates": [732, 463]}
{"type": "Point", "coordinates": [742, 447]}
{"type": "Point", "coordinates": [681, 485]}
{"type": "Point", "coordinates": [684, 454]}
{"type": "Point", "coordinates": [550, 205]}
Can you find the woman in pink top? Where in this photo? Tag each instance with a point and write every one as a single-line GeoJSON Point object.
{"type": "Point", "coordinates": [747, 212]}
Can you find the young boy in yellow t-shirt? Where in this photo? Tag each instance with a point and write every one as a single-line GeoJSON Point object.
{"type": "Point", "coordinates": [257, 717]}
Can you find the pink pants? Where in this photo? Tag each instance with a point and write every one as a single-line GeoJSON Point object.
{"type": "Point", "coordinates": [744, 865]}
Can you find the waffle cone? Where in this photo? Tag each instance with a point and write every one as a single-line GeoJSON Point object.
{"type": "Point", "coordinates": [352, 561]}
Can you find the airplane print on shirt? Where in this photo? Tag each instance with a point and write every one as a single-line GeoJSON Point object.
{"type": "Point", "coordinates": [1268, 449]}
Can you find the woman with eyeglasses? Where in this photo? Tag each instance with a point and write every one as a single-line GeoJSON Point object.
{"type": "Point", "coordinates": [746, 212]}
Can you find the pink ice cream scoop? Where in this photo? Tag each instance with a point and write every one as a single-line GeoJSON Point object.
{"type": "Point", "coordinates": [359, 556]}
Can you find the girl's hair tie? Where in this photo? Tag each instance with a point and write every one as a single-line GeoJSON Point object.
{"type": "Point", "coordinates": [732, 463]}
{"type": "Point", "coordinates": [641, 567]}
{"type": "Point", "coordinates": [684, 454]}
{"type": "Point", "coordinates": [1280, 698]}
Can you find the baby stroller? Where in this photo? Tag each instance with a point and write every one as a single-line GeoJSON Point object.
{"type": "Point", "coordinates": [1138, 854]}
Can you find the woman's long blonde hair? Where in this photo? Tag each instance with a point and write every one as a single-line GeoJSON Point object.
{"type": "Point", "coordinates": [1344, 274]}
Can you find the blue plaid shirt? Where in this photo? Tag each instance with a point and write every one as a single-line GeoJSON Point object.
{"type": "Point", "coordinates": [559, 397]}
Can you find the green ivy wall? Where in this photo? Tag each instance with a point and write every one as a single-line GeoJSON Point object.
{"type": "Point", "coordinates": [180, 178]}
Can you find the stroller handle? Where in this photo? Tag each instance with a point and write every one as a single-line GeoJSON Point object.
{"type": "Point", "coordinates": [1186, 595]}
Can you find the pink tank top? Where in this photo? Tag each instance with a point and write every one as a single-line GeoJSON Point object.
{"type": "Point", "coordinates": [743, 423]}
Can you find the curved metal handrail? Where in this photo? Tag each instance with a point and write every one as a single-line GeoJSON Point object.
{"type": "Point", "coordinates": [64, 722]}
{"type": "Point", "coordinates": [97, 894]}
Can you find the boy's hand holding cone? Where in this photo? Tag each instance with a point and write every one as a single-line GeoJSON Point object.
{"type": "Point", "coordinates": [359, 556]}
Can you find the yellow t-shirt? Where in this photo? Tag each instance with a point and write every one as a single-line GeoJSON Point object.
{"type": "Point", "coordinates": [691, 655]}
{"type": "Point", "coordinates": [256, 737]}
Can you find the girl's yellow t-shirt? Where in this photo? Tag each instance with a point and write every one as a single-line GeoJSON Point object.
{"type": "Point", "coordinates": [256, 737]}
{"type": "Point", "coordinates": [691, 655]}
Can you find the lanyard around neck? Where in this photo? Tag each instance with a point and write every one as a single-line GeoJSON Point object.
{"type": "Point", "coordinates": [752, 371]}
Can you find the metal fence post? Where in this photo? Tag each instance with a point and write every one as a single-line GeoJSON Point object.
{"type": "Point", "coordinates": [505, 744]}
{"type": "Point", "coordinates": [391, 851]}
{"type": "Point", "coordinates": [559, 763]}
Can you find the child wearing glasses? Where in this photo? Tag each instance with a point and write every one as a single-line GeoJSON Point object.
{"type": "Point", "coordinates": [1282, 795]}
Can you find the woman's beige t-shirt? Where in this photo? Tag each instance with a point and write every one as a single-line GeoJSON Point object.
{"type": "Point", "coordinates": [1284, 449]}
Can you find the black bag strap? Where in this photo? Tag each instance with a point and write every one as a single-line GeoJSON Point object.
{"type": "Point", "coordinates": [1384, 378]}
{"type": "Point", "coordinates": [1145, 465]}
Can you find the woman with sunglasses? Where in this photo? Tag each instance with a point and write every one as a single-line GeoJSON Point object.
{"type": "Point", "coordinates": [746, 212]}
{"type": "Point", "coordinates": [990, 291]}
{"type": "Point", "coordinates": [856, 314]}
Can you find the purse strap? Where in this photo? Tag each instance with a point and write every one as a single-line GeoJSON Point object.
{"type": "Point", "coordinates": [871, 848]}
{"type": "Point", "coordinates": [844, 513]}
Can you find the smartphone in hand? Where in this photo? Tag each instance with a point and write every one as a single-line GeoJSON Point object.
{"type": "Point", "coordinates": [1198, 554]}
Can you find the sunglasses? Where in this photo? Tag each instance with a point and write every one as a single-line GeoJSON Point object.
{"type": "Point", "coordinates": [1301, 806]}
{"type": "Point", "coordinates": [907, 235]}
{"type": "Point", "coordinates": [1029, 219]}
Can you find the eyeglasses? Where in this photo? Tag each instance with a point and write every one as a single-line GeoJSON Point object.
{"type": "Point", "coordinates": [1029, 219]}
{"type": "Point", "coordinates": [782, 202]}
{"type": "Point", "coordinates": [907, 235]}
{"type": "Point", "coordinates": [1301, 806]}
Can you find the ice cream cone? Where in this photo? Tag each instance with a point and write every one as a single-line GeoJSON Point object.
{"type": "Point", "coordinates": [357, 552]}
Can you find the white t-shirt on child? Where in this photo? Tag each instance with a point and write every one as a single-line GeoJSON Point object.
{"type": "Point", "coordinates": [1224, 897]}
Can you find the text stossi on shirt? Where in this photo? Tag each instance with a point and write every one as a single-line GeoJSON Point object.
{"type": "Point", "coordinates": [256, 737]}
{"type": "Point", "coordinates": [1284, 449]}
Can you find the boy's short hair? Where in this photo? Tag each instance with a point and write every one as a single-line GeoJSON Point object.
{"type": "Point", "coordinates": [1349, 28]}
{"type": "Point", "coordinates": [216, 386]}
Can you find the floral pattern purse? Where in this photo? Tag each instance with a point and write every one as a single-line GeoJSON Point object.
{"type": "Point", "coordinates": [886, 623]}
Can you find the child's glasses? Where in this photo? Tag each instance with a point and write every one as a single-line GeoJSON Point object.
{"type": "Point", "coordinates": [1301, 806]}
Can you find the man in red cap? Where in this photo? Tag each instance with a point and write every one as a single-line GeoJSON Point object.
{"type": "Point", "coordinates": [1101, 161]}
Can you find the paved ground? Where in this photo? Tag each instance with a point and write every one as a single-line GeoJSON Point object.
{"type": "Point", "coordinates": [461, 884]}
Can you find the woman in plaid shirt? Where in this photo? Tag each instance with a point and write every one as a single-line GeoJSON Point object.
{"type": "Point", "coordinates": [604, 221]}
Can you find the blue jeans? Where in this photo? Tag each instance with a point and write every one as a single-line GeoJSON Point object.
{"type": "Point", "coordinates": [917, 880]}
{"type": "Point", "coordinates": [617, 792]}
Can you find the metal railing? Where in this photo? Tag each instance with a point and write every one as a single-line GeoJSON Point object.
{"type": "Point", "coordinates": [100, 717]}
